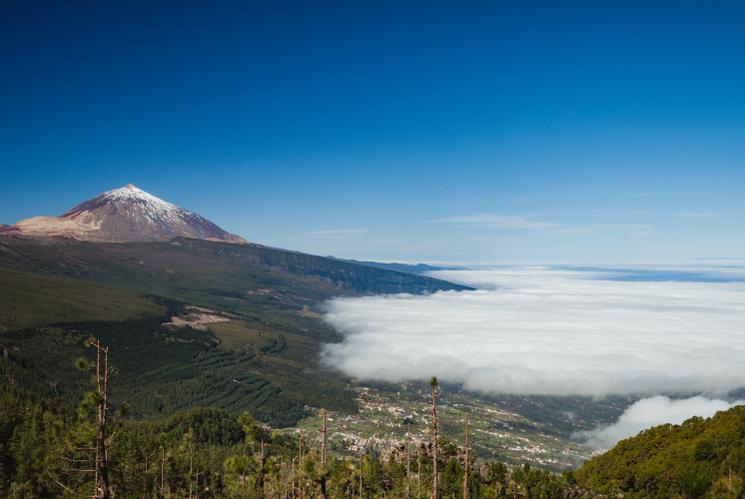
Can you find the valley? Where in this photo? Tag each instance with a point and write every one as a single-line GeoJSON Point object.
{"type": "Point", "coordinates": [200, 323]}
{"type": "Point", "coordinates": [390, 418]}
{"type": "Point", "coordinates": [257, 350]}
{"type": "Point", "coordinates": [215, 345]}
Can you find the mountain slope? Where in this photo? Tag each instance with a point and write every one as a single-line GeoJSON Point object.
{"type": "Point", "coordinates": [418, 268]}
{"type": "Point", "coordinates": [33, 300]}
{"type": "Point", "coordinates": [698, 458]}
{"type": "Point", "coordinates": [191, 317]}
{"type": "Point", "coordinates": [253, 343]}
{"type": "Point", "coordinates": [182, 267]}
{"type": "Point", "coordinates": [125, 214]}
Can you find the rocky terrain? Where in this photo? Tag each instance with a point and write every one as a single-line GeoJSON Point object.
{"type": "Point", "coordinates": [124, 214]}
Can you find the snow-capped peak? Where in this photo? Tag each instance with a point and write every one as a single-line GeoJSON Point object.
{"type": "Point", "coordinates": [127, 214]}
{"type": "Point", "coordinates": [136, 202]}
{"type": "Point", "coordinates": [132, 192]}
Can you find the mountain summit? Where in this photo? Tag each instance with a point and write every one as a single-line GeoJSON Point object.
{"type": "Point", "coordinates": [124, 214]}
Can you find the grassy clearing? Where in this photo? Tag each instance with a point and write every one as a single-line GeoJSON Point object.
{"type": "Point", "coordinates": [236, 334]}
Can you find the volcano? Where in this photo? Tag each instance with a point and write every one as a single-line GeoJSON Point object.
{"type": "Point", "coordinates": [123, 215]}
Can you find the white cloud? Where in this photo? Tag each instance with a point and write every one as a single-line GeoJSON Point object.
{"type": "Point", "coordinates": [540, 331]}
{"type": "Point", "coordinates": [492, 221]}
{"type": "Point", "coordinates": [653, 411]}
{"type": "Point", "coordinates": [338, 233]}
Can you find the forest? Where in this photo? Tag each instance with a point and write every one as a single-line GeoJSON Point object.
{"type": "Point", "coordinates": [94, 449]}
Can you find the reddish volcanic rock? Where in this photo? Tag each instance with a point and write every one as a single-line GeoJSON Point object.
{"type": "Point", "coordinates": [124, 214]}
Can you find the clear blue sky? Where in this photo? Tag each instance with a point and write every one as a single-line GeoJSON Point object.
{"type": "Point", "coordinates": [465, 131]}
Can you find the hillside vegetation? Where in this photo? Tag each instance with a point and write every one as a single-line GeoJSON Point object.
{"type": "Point", "coordinates": [271, 371]}
{"type": "Point", "coordinates": [699, 458]}
{"type": "Point", "coordinates": [213, 273]}
{"type": "Point", "coordinates": [202, 332]}
{"type": "Point", "coordinates": [261, 356]}
{"type": "Point", "coordinates": [209, 452]}
{"type": "Point", "coordinates": [31, 300]}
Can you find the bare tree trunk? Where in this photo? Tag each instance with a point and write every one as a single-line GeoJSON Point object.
{"type": "Point", "coordinates": [260, 482]}
{"type": "Point", "coordinates": [361, 474]}
{"type": "Point", "coordinates": [287, 479]}
{"type": "Point", "coordinates": [191, 469]}
{"type": "Point", "coordinates": [408, 472]}
{"type": "Point", "coordinates": [467, 466]}
{"type": "Point", "coordinates": [323, 442]}
{"type": "Point", "coordinates": [300, 491]}
{"type": "Point", "coordinates": [418, 472]}
{"type": "Point", "coordinates": [105, 417]}
{"type": "Point", "coordinates": [162, 470]}
{"type": "Point", "coordinates": [434, 384]}
{"type": "Point", "coordinates": [97, 459]}
{"type": "Point", "coordinates": [101, 458]}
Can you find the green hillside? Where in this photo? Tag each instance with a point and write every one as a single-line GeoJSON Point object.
{"type": "Point", "coordinates": [211, 450]}
{"type": "Point", "coordinates": [31, 300]}
{"type": "Point", "coordinates": [261, 354]}
{"type": "Point", "coordinates": [207, 452]}
{"type": "Point", "coordinates": [212, 273]}
{"type": "Point", "coordinates": [699, 458]}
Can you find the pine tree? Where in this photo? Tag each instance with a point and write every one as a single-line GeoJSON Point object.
{"type": "Point", "coordinates": [434, 384]}
{"type": "Point", "coordinates": [102, 452]}
{"type": "Point", "coordinates": [100, 400]}
{"type": "Point", "coordinates": [467, 462]}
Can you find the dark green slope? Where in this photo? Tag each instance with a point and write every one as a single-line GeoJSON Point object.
{"type": "Point", "coordinates": [57, 292]}
{"type": "Point", "coordinates": [699, 458]}
{"type": "Point", "coordinates": [32, 300]}
{"type": "Point", "coordinates": [162, 370]}
{"type": "Point", "coordinates": [418, 268]}
{"type": "Point", "coordinates": [183, 264]}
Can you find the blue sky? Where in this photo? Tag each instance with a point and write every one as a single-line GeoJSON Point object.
{"type": "Point", "coordinates": [430, 131]}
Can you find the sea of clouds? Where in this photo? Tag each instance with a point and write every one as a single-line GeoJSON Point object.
{"type": "Point", "coordinates": [548, 331]}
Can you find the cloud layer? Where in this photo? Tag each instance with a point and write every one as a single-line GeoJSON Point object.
{"type": "Point", "coordinates": [654, 411]}
{"type": "Point", "coordinates": [541, 331]}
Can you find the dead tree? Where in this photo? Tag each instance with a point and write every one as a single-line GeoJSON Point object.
{"type": "Point", "coordinates": [434, 384]}
{"type": "Point", "coordinates": [362, 473]}
{"type": "Point", "coordinates": [408, 471]}
{"type": "Point", "coordinates": [323, 441]}
{"type": "Point", "coordinates": [322, 474]}
{"type": "Point", "coordinates": [467, 464]}
{"type": "Point", "coordinates": [419, 471]}
{"type": "Point", "coordinates": [262, 471]}
{"type": "Point", "coordinates": [101, 450]}
{"type": "Point", "coordinates": [162, 470]}
{"type": "Point", "coordinates": [191, 462]}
